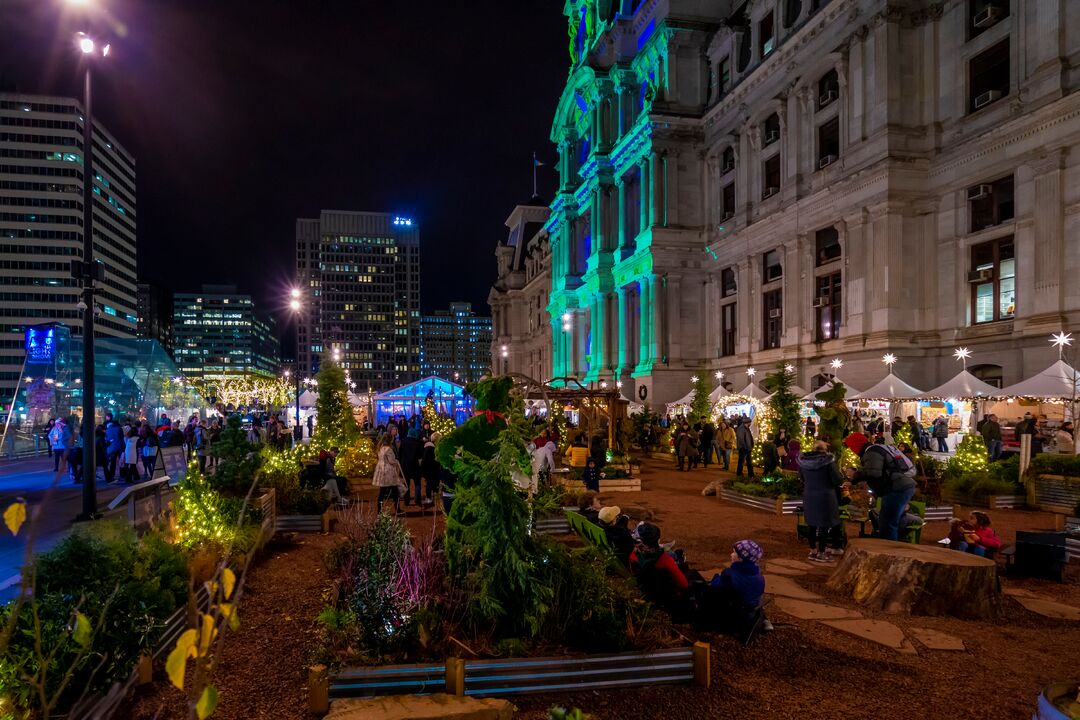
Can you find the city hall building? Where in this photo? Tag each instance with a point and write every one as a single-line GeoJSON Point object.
{"type": "Point", "coordinates": [745, 183]}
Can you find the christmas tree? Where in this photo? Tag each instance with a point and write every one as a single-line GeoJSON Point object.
{"type": "Point", "coordinates": [700, 404]}
{"type": "Point", "coordinates": [439, 423]}
{"type": "Point", "coordinates": [336, 424]}
{"type": "Point", "coordinates": [834, 417]}
{"type": "Point", "coordinates": [970, 455]}
{"type": "Point", "coordinates": [783, 403]}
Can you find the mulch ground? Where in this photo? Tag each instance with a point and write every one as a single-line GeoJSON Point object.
{"type": "Point", "coordinates": [801, 670]}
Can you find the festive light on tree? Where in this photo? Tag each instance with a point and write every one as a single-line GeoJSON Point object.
{"type": "Point", "coordinates": [357, 460]}
{"type": "Point", "coordinates": [439, 423]}
{"type": "Point", "coordinates": [904, 436]}
{"type": "Point", "coordinates": [336, 425]}
{"type": "Point", "coordinates": [783, 403]}
{"type": "Point", "coordinates": [970, 455]}
{"type": "Point", "coordinates": [699, 403]}
{"type": "Point", "coordinates": [198, 511]}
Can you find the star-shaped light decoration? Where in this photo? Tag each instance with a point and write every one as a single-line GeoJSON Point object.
{"type": "Point", "coordinates": [618, 384]}
{"type": "Point", "coordinates": [719, 374]}
{"type": "Point", "coordinates": [1061, 341]}
{"type": "Point", "coordinates": [962, 354]}
{"type": "Point", "coordinates": [693, 380]}
{"type": "Point", "coordinates": [789, 368]}
{"type": "Point", "coordinates": [889, 359]}
{"type": "Point", "coordinates": [836, 364]}
{"type": "Point", "coordinates": [603, 384]}
{"type": "Point", "coordinates": [751, 371]}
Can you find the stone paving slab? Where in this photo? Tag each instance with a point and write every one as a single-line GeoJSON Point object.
{"type": "Point", "coordinates": [1019, 592]}
{"type": "Point", "coordinates": [878, 631]}
{"type": "Point", "coordinates": [814, 611]}
{"type": "Point", "coordinates": [793, 564]}
{"type": "Point", "coordinates": [781, 570]}
{"type": "Point", "coordinates": [1048, 608]}
{"type": "Point", "coordinates": [937, 640]}
{"type": "Point", "coordinates": [786, 587]}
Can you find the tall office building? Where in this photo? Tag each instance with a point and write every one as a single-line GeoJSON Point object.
{"type": "Point", "coordinates": [219, 332]}
{"type": "Point", "coordinates": [155, 308]}
{"type": "Point", "coordinates": [41, 209]}
{"type": "Point", "coordinates": [359, 274]}
{"type": "Point", "coordinates": [455, 344]}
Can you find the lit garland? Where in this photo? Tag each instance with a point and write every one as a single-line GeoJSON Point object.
{"type": "Point", "coordinates": [357, 460]}
{"type": "Point", "coordinates": [557, 422]}
{"type": "Point", "coordinates": [199, 518]}
{"type": "Point", "coordinates": [904, 436]}
{"type": "Point", "coordinates": [439, 423]}
{"type": "Point", "coordinates": [764, 419]}
{"type": "Point", "coordinates": [970, 455]}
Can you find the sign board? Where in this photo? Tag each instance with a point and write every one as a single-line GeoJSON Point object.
{"type": "Point", "coordinates": [40, 345]}
{"type": "Point", "coordinates": [171, 462]}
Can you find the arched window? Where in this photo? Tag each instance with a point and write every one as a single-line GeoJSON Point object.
{"type": "Point", "coordinates": [792, 8]}
{"type": "Point", "coordinates": [989, 374]}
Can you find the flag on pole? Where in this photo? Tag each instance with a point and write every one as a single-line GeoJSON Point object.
{"type": "Point", "coordinates": [537, 163]}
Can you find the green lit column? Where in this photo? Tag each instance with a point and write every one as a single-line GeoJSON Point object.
{"type": "Point", "coordinates": [622, 331]}
{"type": "Point", "coordinates": [620, 220]}
{"type": "Point", "coordinates": [598, 326]}
{"type": "Point", "coordinates": [644, 323]}
{"type": "Point", "coordinates": [644, 193]}
{"type": "Point", "coordinates": [659, 327]}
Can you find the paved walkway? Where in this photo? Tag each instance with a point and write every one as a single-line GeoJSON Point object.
{"type": "Point", "coordinates": [33, 480]}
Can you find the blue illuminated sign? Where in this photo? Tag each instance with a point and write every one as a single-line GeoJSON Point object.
{"type": "Point", "coordinates": [40, 345]}
{"type": "Point", "coordinates": [403, 221]}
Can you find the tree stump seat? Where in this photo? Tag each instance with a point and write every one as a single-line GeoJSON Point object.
{"type": "Point", "coordinates": [917, 579]}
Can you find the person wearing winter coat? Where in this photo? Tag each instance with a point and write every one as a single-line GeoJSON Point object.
{"type": "Point", "coordinates": [821, 508]}
{"type": "Point", "coordinates": [130, 472]}
{"type": "Point", "coordinates": [705, 438]}
{"type": "Point", "coordinates": [114, 446]}
{"type": "Point", "coordinates": [410, 455]}
{"type": "Point", "coordinates": [59, 442]}
{"type": "Point", "coordinates": [147, 445]}
{"type": "Point", "coordinates": [682, 446]}
{"type": "Point", "coordinates": [591, 476]}
{"type": "Point", "coordinates": [1064, 438]}
{"type": "Point", "coordinates": [725, 442]}
{"type": "Point", "coordinates": [744, 443]}
{"type": "Point", "coordinates": [976, 536]}
{"type": "Point", "coordinates": [388, 476]}
{"type": "Point", "coordinates": [894, 488]}
{"type": "Point", "coordinates": [941, 433]}
{"type": "Point", "coordinates": [429, 465]}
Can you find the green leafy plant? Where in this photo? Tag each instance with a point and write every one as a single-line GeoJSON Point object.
{"type": "Point", "coordinates": [699, 403]}
{"type": "Point", "coordinates": [783, 402]}
{"type": "Point", "coordinates": [336, 424]}
{"type": "Point", "coordinates": [1049, 464]}
{"type": "Point", "coordinates": [303, 501]}
{"type": "Point", "coordinates": [237, 460]}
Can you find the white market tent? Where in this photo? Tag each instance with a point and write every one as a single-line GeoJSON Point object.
{"type": "Point", "coordinates": [1057, 382]}
{"type": "Point", "coordinates": [963, 386]}
{"type": "Point", "coordinates": [797, 391]}
{"type": "Point", "coordinates": [889, 388]}
{"type": "Point", "coordinates": [753, 391]}
{"type": "Point", "coordinates": [812, 395]}
{"type": "Point", "coordinates": [717, 393]}
{"type": "Point", "coordinates": [308, 398]}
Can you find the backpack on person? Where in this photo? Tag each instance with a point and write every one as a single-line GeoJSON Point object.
{"type": "Point", "coordinates": [896, 463]}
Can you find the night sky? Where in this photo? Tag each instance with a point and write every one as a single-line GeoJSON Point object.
{"type": "Point", "coordinates": [245, 115]}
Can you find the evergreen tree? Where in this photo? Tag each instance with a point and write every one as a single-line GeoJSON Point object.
{"type": "Point", "coordinates": [700, 404]}
{"type": "Point", "coordinates": [783, 403]}
{"type": "Point", "coordinates": [834, 417]}
{"type": "Point", "coordinates": [237, 459]}
{"type": "Point", "coordinates": [336, 424]}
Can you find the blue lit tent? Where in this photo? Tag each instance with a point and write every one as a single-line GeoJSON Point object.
{"type": "Point", "coordinates": [408, 400]}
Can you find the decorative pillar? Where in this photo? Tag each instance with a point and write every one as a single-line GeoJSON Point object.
{"type": "Point", "coordinates": [621, 329]}
{"type": "Point", "coordinates": [620, 216]}
{"type": "Point", "coordinates": [659, 326]}
{"type": "Point", "coordinates": [644, 322]}
{"type": "Point", "coordinates": [645, 192]}
{"type": "Point", "coordinates": [672, 338]}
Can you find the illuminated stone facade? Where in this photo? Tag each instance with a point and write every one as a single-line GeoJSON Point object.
{"type": "Point", "coordinates": [521, 333]}
{"type": "Point", "coordinates": [745, 183]}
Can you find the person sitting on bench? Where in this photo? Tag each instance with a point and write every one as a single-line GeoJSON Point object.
{"type": "Point", "coordinates": [658, 574]}
{"type": "Point", "coordinates": [909, 521]}
{"type": "Point", "coordinates": [590, 506]}
{"type": "Point", "coordinates": [616, 528]}
{"type": "Point", "coordinates": [976, 536]}
{"type": "Point", "coordinates": [732, 600]}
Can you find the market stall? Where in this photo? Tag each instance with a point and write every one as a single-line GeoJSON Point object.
{"type": "Point", "coordinates": [962, 399]}
{"type": "Point", "coordinates": [408, 400]}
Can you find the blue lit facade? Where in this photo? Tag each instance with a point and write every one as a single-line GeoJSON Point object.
{"type": "Point", "coordinates": [449, 399]}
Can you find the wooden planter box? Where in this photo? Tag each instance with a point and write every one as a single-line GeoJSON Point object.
{"type": "Point", "coordinates": [513, 676]}
{"type": "Point", "coordinates": [778, 506]}
{"type": "Point", "coordinates": [305, 523]}
{"type": "Point", "coordinates": [1054, 493]}
{"type": "Point", "coordinates": [629, 484]}
{"type": "Point", "coordinates": [992, 502]}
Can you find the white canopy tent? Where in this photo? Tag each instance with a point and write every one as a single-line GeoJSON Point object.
{"type": "Point", "coordinates": [964, 386]}
{"type": "Point", "coordinates": [753, 391]}
{"type": "Point", "coordinates": [717, 393]}
{"type": "Point", "coordinates": [1057, 382]}
{"type": "Point", "coordinates": [812, 395]}
{"type": "Point", "coordinates": [308, 398]}
{"type": "Point", "coordinates": [889, 388]}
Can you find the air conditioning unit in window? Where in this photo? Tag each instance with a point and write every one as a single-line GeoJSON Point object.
{"type": "Point", "coordinates": [987, 97]}
{"type": "Point", "coordinates": [987, 17]}
{"type": "Point", "coordinates": [984, 275]}
{"type": "Point", "coordinates": [728, 167]}
{"type": "Point", "coordinates": [769, 192]}
{"type": "Point", "coordinates": [775, 313]}
{"type": "Point", "coordinates": [821, 302]}
{"type": "Point", "coordinates": [979, 192]}
{"type": "Point", "coordinates": [827, 160]}
{"type": "Point", "coordinates": [826, 98]}
{"type": "Point", "coordinates": [772, 136]}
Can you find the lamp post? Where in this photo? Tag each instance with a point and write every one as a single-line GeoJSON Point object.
{"type": "Point", "coordinates": [86, 272]}
{"type": "Point", "coordinates": [294, 305]}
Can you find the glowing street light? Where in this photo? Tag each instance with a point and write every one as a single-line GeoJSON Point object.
{"type": "Point", "coordinates": [86, 45]}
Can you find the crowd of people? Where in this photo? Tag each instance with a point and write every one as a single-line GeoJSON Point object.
{"type": "Point", "coordinates": [406, 469]}
{"type": "Point", "coordinates": [730, 601]}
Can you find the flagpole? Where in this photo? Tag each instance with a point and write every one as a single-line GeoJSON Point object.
{"type": "Point", "coordinates": [534, 174]}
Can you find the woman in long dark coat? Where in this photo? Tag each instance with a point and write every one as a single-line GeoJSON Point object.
{"type": "Point", "coordinates": [820, 478]}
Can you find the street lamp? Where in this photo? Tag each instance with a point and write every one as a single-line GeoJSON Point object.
{"type": "Point", "coordinates": [295, 306]}
{"type": "Point", "coordinates": [87, 273]}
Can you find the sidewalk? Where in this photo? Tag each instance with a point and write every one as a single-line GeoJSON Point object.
{"type": "Point", "coordinates": [31, 480]}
